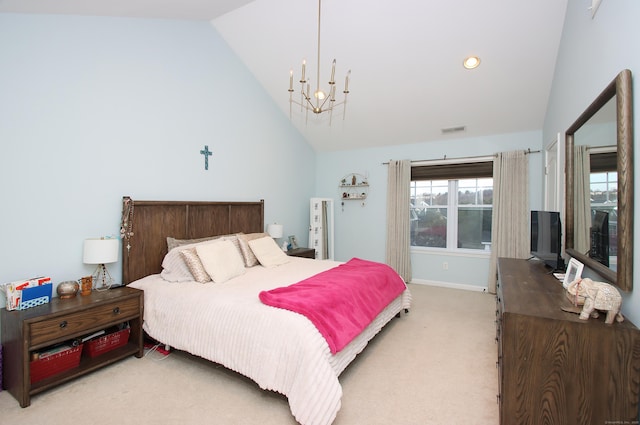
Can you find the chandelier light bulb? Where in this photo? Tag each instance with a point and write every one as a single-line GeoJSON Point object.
{"type": "Point", "coordinates": [319, 94]}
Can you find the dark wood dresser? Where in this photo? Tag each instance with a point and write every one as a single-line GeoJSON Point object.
{"type": "Point", "coordinates": [553, 367]}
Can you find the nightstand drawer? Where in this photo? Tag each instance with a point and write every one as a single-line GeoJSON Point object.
{"type": "Point", "coordinates": [70, 324]}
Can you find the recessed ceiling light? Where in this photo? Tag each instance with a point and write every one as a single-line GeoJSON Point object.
{"type": "Point", "coordinates": [471, 62]}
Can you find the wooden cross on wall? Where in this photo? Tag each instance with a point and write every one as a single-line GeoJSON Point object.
{"type": "Point", "coordinates": [206, 152]}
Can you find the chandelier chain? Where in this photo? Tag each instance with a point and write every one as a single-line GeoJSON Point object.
{"type": "Point", "coordinates": [318, 64]}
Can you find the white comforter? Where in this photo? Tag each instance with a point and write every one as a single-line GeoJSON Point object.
{"type": "Point", "coordinates": [278, 349]}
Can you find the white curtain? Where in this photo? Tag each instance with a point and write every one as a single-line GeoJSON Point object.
{"type": "Point", "coordinates": [398, 253]}
{"type": "Point", "coordinates": [582, 199]}
{"type": "Point", "coordinates": [510, 221]}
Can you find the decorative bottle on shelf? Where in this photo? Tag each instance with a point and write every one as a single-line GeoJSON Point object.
{"type": "Point", "coordinates": [353, 180]}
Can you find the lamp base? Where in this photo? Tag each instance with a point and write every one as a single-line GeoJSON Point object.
{"type": "Point", "coordinates": [102, 278]}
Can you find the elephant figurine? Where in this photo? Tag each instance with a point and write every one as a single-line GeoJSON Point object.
{"type": "Point", "coordinates": [596, 296]}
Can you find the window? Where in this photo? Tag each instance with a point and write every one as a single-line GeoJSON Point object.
{"type": "Point", "coordinates": [429, 213]}
{"type": "Point", "coordinates": [603, 187]}
{"type": "Point", "coordinates": [452, 222]}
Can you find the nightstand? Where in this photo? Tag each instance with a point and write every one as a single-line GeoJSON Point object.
{"type": "Point", "coordinates": [25, 332]}
{"type": "Point", "coordinates": [302, 252]}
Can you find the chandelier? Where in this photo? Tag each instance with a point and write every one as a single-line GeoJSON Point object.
{"type": "Point", "coordinates": [319, 101]}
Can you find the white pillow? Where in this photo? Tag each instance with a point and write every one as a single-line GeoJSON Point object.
{"type": "Point", "coordinates": [268, 252]}
{"type": "Point", "coordinates": [221, 260]}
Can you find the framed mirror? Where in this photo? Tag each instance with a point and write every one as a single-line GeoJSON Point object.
{"type": "Point", "coordinates": [608, 122]}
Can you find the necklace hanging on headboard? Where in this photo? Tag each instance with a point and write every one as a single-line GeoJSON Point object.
{"type": "Point", "coordinates": [126, 225]}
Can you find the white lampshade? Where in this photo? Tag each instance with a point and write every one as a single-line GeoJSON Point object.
{"type": "Point", "coordinates": [100, 251]}
{"type": "Point", "coordinates": [275, 230]}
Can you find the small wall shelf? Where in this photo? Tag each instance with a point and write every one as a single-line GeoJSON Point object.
{"type": "Point", "coordinates": [354, 187]}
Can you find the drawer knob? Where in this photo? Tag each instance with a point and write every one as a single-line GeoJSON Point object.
{"type": "Point", "coordinates": [63, 324]}
{"type": "Point", "coordinates": [116, 310]}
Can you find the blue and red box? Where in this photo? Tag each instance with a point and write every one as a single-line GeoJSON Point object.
{"type": "Point", "coordinates": [23, 294]}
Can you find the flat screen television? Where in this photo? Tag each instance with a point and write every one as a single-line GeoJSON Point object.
{"type": "Point", "coordinates": [546, 238]}
{"type": "Point", "coordinates": [600, 237]}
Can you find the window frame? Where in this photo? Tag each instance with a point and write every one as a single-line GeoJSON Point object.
{"type": "Point", "coordinates": [453, 172]}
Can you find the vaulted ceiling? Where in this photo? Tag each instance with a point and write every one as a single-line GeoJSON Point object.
{"type": "Point", "coordinates": [407, 80]}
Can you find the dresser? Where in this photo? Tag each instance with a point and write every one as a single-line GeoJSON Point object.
{"type": "Point", "coordinates": [553, 367]}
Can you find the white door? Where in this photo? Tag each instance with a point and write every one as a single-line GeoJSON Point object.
{"type": "Point", "coordinates": [321, 227]}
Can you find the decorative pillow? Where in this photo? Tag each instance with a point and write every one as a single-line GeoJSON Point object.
{"type": "Point", "coordinates": [250, 259]}
{"type": "Point", "coordinates": [268, 252]}
{"type": "Point", "coordinates": [221, 260]}
{"type": "Point", "coordinates": [190, 256]}
{"type": "Point", "coordinates": [174, 268]}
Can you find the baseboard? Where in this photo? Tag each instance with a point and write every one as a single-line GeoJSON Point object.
{"type": "Point", "coordinates": [450, 285]}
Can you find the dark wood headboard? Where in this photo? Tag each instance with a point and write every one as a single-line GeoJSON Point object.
{"type": "Point", "coordinates": [146, 225]}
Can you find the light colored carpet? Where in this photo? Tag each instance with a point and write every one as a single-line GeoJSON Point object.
{"type": "Point", "coordinates": [435, 365]}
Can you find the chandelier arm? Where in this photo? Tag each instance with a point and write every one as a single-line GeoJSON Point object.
{"type": "Point", "coordinates": [323, 102]}
{"type": "Point", "coordinates": [293, 101]}
{"type": "Point", "coordinates": [308, 104]}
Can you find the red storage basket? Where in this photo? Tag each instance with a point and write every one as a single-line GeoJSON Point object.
{"type": "Point", "coordinates": [108, 342]}
{"type": "Point", "coordinates": [55, 363]}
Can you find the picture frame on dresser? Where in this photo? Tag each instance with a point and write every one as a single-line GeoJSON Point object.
{"type": "Point", "coordinates": [574, 271]}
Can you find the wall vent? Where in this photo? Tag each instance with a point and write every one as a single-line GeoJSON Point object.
{"type": "Point", "coordinates": [454, 129]}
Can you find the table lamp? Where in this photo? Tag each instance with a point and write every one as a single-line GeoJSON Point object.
{"type": "Point", "coordinates": [276, 231]}
{"type": "Point", "coordinates": [101, 251]}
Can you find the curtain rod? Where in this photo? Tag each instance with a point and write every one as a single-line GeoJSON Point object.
{"type": "Point", "coordinates": [444, 158]}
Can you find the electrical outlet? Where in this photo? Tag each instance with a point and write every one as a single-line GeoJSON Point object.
{"type": "Point", "coordinates": [445, 266]}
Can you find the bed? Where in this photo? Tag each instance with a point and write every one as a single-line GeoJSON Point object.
{"type": "Point", "coordinates": [226, 322]}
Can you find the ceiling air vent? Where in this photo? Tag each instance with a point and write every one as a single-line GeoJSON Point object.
{"type": "Point", "coordinates": [454, 129]}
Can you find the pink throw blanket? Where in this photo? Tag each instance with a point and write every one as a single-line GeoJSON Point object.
{"type": "Point", "coordinates": [342, 301]}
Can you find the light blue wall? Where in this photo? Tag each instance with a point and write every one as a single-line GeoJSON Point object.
{"type": "Point", "coordinates": [92, 109]}
{"type": "Point", "coordinates": [361, 230]}
{"type": "Point", "coordinates": [592, 52]}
